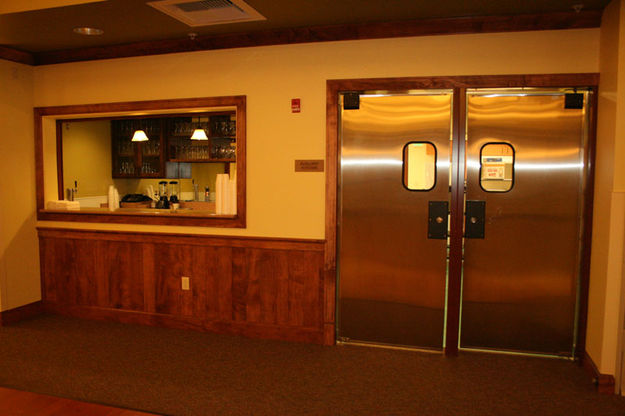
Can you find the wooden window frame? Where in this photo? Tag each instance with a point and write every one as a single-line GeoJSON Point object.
{"type": "Point", "coordinates": [95, 111]}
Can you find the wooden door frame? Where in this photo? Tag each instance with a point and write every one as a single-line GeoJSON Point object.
{"type": "Point", "coordinates": [459, 84]}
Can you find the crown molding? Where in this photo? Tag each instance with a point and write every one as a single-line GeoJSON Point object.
{"type": "Point", "coordinates": [14, 55]}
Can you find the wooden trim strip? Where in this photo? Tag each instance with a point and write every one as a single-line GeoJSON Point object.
{"type": "Point", "coordinates": [39, 175]}
{"type": "Point", "coordinates": [454, 282]}
{"type": "Point", "coordinates": [124, 106]}
{"type": "Point", "coordinates": [186, 239]}
{"type": "Point", "coordinates": [332, 156]}
{"type": "Point", "coordinates": [466, 81]}
{"type": "Point", "coordinates": [59, 159]}
{"type": "Point", "coordinates": [149, 284]}
{"type": "Point", "coordinates": [15, 55]}
{"type": "Point", "coordinates": [584, 285]}
{"type": "Point", "coordinates": [137, 218]}
{"type": "Point", "coordinates": [241, 166]}
{"type": "Point", "coordinates": [406, 28]}
{"type": "Point", "coordinates": [251, 330]}
{"type": "Point", "coordinates": [12, 316]}
{"type": "Point", "coordinates": [605, 382]}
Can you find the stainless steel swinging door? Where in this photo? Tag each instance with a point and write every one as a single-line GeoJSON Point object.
{"type": "Point", "coordinates": [392, 276]}
{"type": "Point", "coordinates": [525, 164]}
{"type": "Point", "coordinates": [509, 280]}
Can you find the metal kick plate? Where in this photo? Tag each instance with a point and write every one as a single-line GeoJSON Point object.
{"type": "Point", "coordinates": [474, 219]}
{"type": "Point", "coordinates": [437, 219]}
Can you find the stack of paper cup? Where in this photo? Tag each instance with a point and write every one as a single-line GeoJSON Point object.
{"type": "Point", "coordinates": [225, 195]}
{"type": "Point", "coordinates": [113, 198]}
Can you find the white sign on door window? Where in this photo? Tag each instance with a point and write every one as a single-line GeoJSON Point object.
{"type": "Point", "coordinates": [494, 172]}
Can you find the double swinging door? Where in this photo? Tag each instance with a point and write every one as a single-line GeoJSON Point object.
{"type": "Point", "coordinates": [460, 218]}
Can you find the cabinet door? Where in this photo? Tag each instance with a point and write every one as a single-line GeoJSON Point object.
{"type": "Point", "coordinates": [220, 130]}
{"type": "Point", "coordinates": [124, 152]}
{"type": "Point", "coordinates": [152, 160]}
{"type": "Point", "coordinates": [223, 134]}
{"type": "Point", "coordinates": [137, 159]}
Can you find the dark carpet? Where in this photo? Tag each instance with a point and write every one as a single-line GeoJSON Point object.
{"type": "Point", "coordinates": [191, 373]}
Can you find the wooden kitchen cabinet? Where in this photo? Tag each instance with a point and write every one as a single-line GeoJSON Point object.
{"type": "Point", "coordinates": [220, 129]}
{"type": "Point", "coordinates": [138, 159]}
{"type": "Point", "coordinates": [170, 140]}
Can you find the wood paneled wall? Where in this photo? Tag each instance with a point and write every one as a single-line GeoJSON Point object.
{"type": "Point", "coordinates": [257, 287]}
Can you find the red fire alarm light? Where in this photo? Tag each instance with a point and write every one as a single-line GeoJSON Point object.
{"type": "Point", "coordinates": [295, 105]}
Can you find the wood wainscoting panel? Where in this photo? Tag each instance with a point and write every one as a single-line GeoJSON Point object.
{"type": "Point", "coordinates": [92, 273]}
{"type": "Point", "coordinates": [248, 285]}
{"type": "Point", "coordinates": [267, 288]}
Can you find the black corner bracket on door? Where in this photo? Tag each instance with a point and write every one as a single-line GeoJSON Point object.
{"type": "Point", "coordinates": [475, 215]}
{"type": "Point", "coordinates": [437, 219]}
{"type": "Point", "coordinates": [351, 101]}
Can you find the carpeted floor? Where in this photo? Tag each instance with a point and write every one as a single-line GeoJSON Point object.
{"type": "Point", "coordinates": [191, 373]}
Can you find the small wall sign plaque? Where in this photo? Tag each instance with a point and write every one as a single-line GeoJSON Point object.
{"type": "Point", "coordinates": [309, 165]}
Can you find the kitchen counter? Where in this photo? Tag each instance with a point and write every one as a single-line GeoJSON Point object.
{"type": "Point", "coordinates": [187, 208]}
{"type": "Point", "coordinates": [185, 212]}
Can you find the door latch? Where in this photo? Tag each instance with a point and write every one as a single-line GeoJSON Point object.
{"type": "Point", "coordinates": [438, 212]}
{"type": "Point", "coordinates": [474, 218]}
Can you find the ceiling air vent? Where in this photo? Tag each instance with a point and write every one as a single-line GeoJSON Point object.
{"type": "Point", "coordinates": [207, 12]}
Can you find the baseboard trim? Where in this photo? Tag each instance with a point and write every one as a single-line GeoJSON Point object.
{"type": "Point", "coordinates": [12, 316]}
{"type": "Point", "coordinates": [250, 330]}
{"type": "Point", "coordinates": [604, 382]}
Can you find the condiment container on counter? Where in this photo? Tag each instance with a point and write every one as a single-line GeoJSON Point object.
{"type": "Point", "coordinates": [163, 202]}
{"type": "Point", "coordinates": [196, 192]}
{"type": "Point", "coordinates": [174, 202]}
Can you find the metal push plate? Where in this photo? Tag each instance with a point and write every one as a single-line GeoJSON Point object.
{"type": "Point", "coordinates": [437, 219]}
{"type": "Point", "coordinates": [475, 216]}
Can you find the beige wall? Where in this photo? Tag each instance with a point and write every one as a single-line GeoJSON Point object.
{"type": "Point", "coordinates": [606, 277]}
{"type": "Point", "coordinates": [87, 156]}
{"type": "Point", "coordinates": [19, 258]}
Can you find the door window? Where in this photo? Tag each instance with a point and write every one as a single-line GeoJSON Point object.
{"type": "Point", "coordinates": [419, 166]}
{"type": "Point", "coordinates": [497, 167]}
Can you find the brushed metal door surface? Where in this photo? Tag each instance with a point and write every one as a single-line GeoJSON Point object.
{"type": "Point", "coordinates": [520, 281]}
{"type": "Point", "coordinates": [391, 276]}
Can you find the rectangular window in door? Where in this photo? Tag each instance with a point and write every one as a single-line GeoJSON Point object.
{"type": "Point", "coordinates": [419, 166]}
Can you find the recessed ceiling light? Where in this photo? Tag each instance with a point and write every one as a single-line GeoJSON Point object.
{"type": "Point", "coordinates": [88, 31]}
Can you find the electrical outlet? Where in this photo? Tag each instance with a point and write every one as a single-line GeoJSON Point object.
{"type": "Point", "coordinates": [185, 283]}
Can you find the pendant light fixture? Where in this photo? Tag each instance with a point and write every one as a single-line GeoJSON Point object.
{"type": "Point", "coordinates": [139, 135]}
{"type": "Point", "coordinates": [199, 133]}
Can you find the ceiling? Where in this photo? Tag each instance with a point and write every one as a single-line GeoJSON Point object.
{"type": "Point", "coordinates": [130, 21]}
